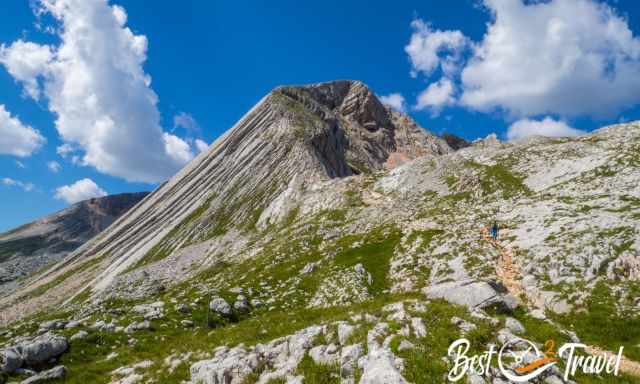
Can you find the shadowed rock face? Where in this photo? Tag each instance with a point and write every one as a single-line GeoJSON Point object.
{"type": "Point", "coordinates": [366, 135]}
{"type": "Point", "coordinates": [455, 142]}
{"type": "Point", "coordinates": [295, 134]}
{"type": "Point", "coordinates": [33, 245]}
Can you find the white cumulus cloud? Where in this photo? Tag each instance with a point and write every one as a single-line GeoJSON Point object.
{"type": "Point", "coordinates": [395, 101]}
{"type": "Point", "coordinates": [557, 57]}
{"type": "Point", "coordinates": [25, 61]}
{"type": "Point", "coordinates": [16, 138]}
{"type": "Point", "coordinates": [429, 49]}
{"type": "Point", "coordinates": [566, 57]}
{"type": "Point", "coordinates": [80, 190]}
{"type": "Point", "coordinates": [546, 127]}
{"type": "Point", "coordinates": [96, 86]}
{"type": "Point", "coordinates": [177, 148]}
{"type": "Point", "coordinates": [436, 96]}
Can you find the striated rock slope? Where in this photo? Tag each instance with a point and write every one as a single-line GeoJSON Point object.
{"type": "Point", "coordinates": [33, 245]}
{"type": "Point", "coordinates": [294, 137]}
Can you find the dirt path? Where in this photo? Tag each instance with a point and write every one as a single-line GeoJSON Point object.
{"type": "Point", "coordinates": [509, 274]}
{"type": "Point", "coordinates": [506, 270]}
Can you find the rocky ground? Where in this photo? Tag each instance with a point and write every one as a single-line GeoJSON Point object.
{"type": "Point", "coordinates": [367, 277]}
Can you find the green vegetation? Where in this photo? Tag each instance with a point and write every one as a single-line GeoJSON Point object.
{"type": "Point", "coordinates": [86, 359]}
{"type": "Point", "coordinates": [600, 324]}
{"type": "Point", "coordinates": [499, 179]}
{"type": "Point", "coordinates": [539, 330]}
{"type": "Point", "coordinates": [318, 374]}
{"type": "Point", "coordinates": [425, 237]}
{"type": "Point", "coordinates": [604, 171]}
{"type": "Point", "coordinates": [374, 254]}
{"type": "Point", "coordinates": [424, 364]}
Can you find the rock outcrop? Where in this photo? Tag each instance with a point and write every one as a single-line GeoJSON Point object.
{"type": "Point", "coordinates": [33, 352]}
{"type": "Point", "coordinates": [472, 294]}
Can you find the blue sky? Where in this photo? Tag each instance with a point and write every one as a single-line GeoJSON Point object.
{"type": "Point", "coordinates": [211, 61]}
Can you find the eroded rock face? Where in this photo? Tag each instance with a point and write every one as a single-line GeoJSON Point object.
{"type": "Point", "coordinates": [455, 142]}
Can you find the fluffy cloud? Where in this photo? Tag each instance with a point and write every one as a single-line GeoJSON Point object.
{"type": "Point", "coordinates": [201, 145]}
{"type": "Point", "coordinates": [546, 127]}
{"type": "Point", "coordinates": [562, 57]}
{"type": "Point", "coordinates": [17, 138]}
{"type": "Point", "coordinates": [436, 96]}
{"type": "Point", "coordinates": [27, 187]}
{"type": "Point", "coordinates": [54, 166]}
{"type": "Point", "coordinates": [568, 57]}
{"type": "Point", "coordinates": [177, 148]}
{"type": "Point", "coordinates": [96, 86]}
{"type": "Point", "coordinates": [25, 61]}
{"type": "Point", "coordinates": [429, 49]}
{"type": "Point", "coordinates": [395, 101]}
{"type": "Point", "coordinates": [80, 190]}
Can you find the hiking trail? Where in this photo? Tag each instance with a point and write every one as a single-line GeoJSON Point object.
{"type": "Point", "coordinates": [509, 274]}
{"type": "Point", "coordinates": [506, 270]}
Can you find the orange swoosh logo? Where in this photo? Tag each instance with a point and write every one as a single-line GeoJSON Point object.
{"type": "Point", "coordinates": [535, 364]}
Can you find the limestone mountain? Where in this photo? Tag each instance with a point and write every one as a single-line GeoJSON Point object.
{"type": "Point", "coordinates": [48, 239]}
{"type": "Point", "coordinates": [294, 137]}
{"type": "Point", "coordinates": [326, 238]}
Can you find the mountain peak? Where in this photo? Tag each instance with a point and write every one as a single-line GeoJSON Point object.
{"type": "Point", "coordinates": [350, 98]}
{"type": "Point", "coordinates": [293, 138]}
{"type": "Point", "coordinates": [368, 134]}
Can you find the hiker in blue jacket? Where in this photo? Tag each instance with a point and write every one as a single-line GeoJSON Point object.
{"type": "Point", "coordinates": [494, 231]}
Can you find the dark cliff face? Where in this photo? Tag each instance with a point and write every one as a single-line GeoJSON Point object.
{"type": "Point", "coordinates": [455, 142]}
{"type": "Point", "coordinates": [48, 239]}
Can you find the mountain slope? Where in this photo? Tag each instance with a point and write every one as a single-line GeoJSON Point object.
{"type": "Point", "coordinates": [329, 256]}
{"type": "Point", "coordinates": [294, 137]}
{"type": "Point", "coordinates": [33, 245]}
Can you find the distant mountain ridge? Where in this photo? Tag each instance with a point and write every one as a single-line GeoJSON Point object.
{"type": "Point", "coordinates": [48, 239]}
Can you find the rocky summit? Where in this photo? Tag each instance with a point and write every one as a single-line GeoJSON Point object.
{"type": "Point", "coordinates": [30, 247]}
{"type": "Point", "coordinates": [326, 238]}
